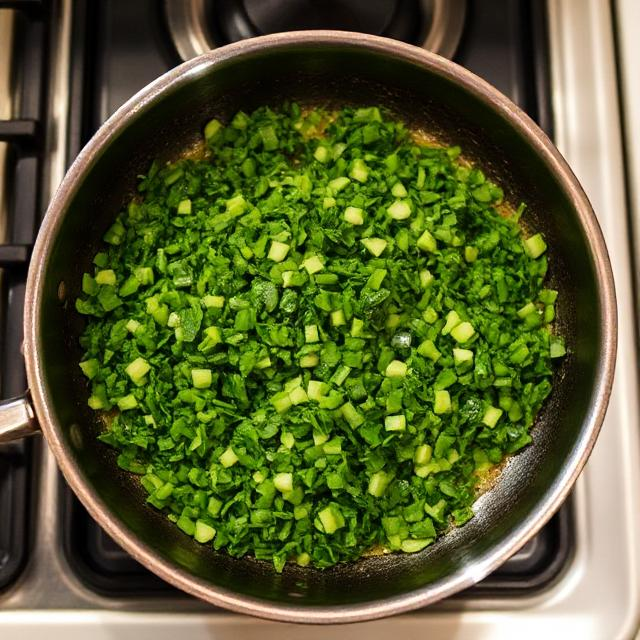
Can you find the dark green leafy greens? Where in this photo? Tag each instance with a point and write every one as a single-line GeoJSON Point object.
{"type": "Point", "coordinates": [317, 338]}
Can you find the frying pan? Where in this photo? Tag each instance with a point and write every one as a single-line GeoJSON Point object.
{"type": "Point", "coordinates": [327, 68]}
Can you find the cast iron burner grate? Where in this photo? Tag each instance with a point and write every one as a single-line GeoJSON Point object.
{"type": "Point", "coordinates": [24, 136]}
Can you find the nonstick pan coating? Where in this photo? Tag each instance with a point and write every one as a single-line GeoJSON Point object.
{"type": "Point", "coordinates": [330, 69]}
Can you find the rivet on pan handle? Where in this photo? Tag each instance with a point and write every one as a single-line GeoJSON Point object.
{"type": "Point", "coordinates": [17, 419]}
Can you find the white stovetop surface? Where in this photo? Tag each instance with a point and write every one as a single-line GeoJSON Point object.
{"type": "Point", "coordinates": [599, 595]}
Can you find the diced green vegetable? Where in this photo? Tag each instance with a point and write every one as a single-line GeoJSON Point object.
{"type": "Point", "coordinates": [491, 416]}
{"type": "Point", "coordinates": [378, 483]}
{"type": "Point", "coordinates": [204, 532]}
{"type": "Point", "coordinates": [535, 246]}
{"type": "Point", "coordinates": [184, 207]}
{"type": "Point", "coordinates": [395, 423]}
{"type": "Point", "coordinates": [331, 519]}
{"type": "Point", "coordinates": [463, 332]}
{"type": "Point", "coordinates": [375, 246]}
{"type": "Point", "coordinates": [354, 215]}
{"type": "Point", "coordinates": [400, 210]}
{"type": "Point", "coordinates": [278, 251]}
{"type": "Point", "coordinates": [228, 458]}
{"type": "Point", "coordinates": [137, 370]}
{"type": "Point", "coordinates": [396, 369]}
{"type": "Point", "coordinates": [426, 242]}
{"type": "Point", "coordinates": [201, 378]}
{"type": "Point", "coordinates": [313, 264]}
{"type": "Point", "coordinates": [315, 338]}
{"type": "Point", "coordinates": [442, 402]}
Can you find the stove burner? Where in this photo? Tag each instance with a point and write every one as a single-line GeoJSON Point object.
{"type": "Point", "coordinates": [200, 25]}
{"type": "Point", "coordinates": [271, 16]}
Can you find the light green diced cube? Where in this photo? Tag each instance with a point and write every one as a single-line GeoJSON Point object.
{"type": "Point", "coordinates": [204, 532]}
{"type": "Point", "coordinates": [428, 349]}
{"type": "Point", "coordinates": [90, 368]}
{"type": "Point", "coordinates": [462, 356]}
{"type": "Point", "coordinates": [298, 396]}
{"type": "Point", "coordinates": [426, 278]}
{"type": "Point", "coordinates": [312, 264]}
{"type": "Point", "coordinates": [144, 275]}
{"type": "Point", "coordinates": [292, 384]}
{"type": "Point", "coordinates": [399, 210]}
{"type": "Point", "coordinates": [430, 315]}
{"type": "Point", "coordinates": [319, 438]}
{"type": "Point", "coordinates": [278, 251]}
{"type": "Point", "coordinates": [288, 279]}
{"type": "Point", "coordinates": [127, 402]}
{"type": "Point", "coordinates": [413, 545]}
{"type": "Point", "coordinates": [331, 519]}
{"type": "Point", "coordinates": [281, 401]}
{"type": "Point", "coordinates": [95, 403]}
{"type": "Point", "coordinates": [463, 332]}
{"type": "Point", "coordinates": [357, 326]}
{"type": "Point", "coordinates": [328, 202]}
{"type": "Point", "coordinates": [184, 207]}
{"type": "Point", "coordinates": [264, 363]}
{"type": "Point", "coordinates": [337, 318]}
{"type": "Point", "coordinates": [395, 423]}
{"type": "Point", "coordinates": [426, 242]}
{"type": "Point", "coordinates": [442, 402]}
{"type": "Point", "coordinates": [398, 190]}
{"type": "Point", "coordinates": [211, 129]}
{"type": "Point", "coordinates": [422, 454]}
{"type": "Point", "coordinates": [213, 334]}
{"type": "Point", "coordinates": [288, 440]}
{"type": "Point", "coordinates": [213, 302]}
{"type": "Point", "coordinates": [393, 320]}
{"type": "Point", "coordinates": [309, 361]}
{"type": "Point", "coordinates": [228, 458]}
{"type": "Point", "coordinates": [338, 184]}
{"type": "Point", "coordinates": [470, 254]}
{"type": "Point", "coordinates": [236, 206]}
{"type": "Point", "coordinates": [359, 170]}
{"type": "Point", "coordinates": [375, 246]}
{"type": "Point", "coordinates": [311, 333]}
{"type": "Point", "coordinates": [396, 369]}
{"type": "Point", "coordinates": [527, 310]}
{"type": "Point", "coordinates": [283, 482]}
{"type": "Point", "coordinates": [491, 416]}
{"type": "Point", "coordinates": [132, 325]}
{"type": "Point", "coordinates": [201, 378]}
{"type": "Point", "coordinates": [351, 415]}
{"type": "Point", "coordinates": [137, 370]}
{"type": "Point", "coordinates": [106, 277]}
{"type": "Point", "coordinates": [378, 483]}
{"type": "Point", "coordinates": [316, 389]}
{"type": "Point", "coordinates": [354, 215]}
{"type": "Point", "coordinates": [535, 246]}
{"type": "Point", "coordinates": [321, 154]}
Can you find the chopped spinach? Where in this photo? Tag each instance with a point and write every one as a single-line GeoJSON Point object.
{"type": "Point", "coordinates": [315, 339]}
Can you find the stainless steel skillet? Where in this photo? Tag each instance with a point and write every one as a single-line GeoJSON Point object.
{"type": "Point", "coordinates": [330, 68]}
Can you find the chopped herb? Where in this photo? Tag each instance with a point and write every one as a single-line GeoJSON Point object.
{"type": "Point", "coordinates": [316, 339]}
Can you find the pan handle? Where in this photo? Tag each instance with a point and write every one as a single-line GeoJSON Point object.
{"type": "Point", "coordinates": [17, 419]}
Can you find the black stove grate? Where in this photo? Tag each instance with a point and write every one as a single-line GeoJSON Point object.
{"type": "Point", "coordinates": [504, 42]}
{"type": "Point", "coordinates": [24, 135]}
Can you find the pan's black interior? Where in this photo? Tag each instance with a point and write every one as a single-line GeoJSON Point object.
{"type": "Point", "coordinates": [330, 75]}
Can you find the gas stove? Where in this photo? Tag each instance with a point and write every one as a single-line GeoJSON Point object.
{"type": "Point", "coordinates": [73, 63]}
